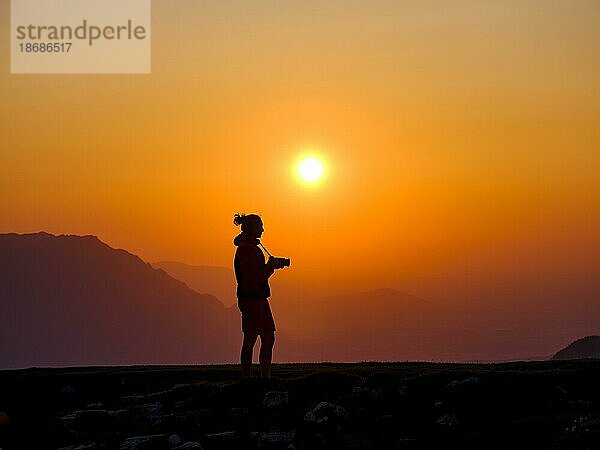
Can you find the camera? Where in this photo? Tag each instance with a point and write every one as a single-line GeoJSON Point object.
{"type": "Point", "coordinates": [279, 263]}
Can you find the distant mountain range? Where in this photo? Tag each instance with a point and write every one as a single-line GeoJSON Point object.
{"type": "Point", "coordinates": [73, 300]}
{"type": "Point", "coordinates": [218, 281]}
{"type": "Point", "coordinates": [587, 347]}
{"type": "Point", "coordinates": [387, 324]}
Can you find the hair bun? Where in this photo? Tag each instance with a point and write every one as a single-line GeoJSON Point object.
{"type": "Point", "coordinates": [238, 219]}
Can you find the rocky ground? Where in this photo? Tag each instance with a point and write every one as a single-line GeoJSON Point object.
{"type": "Point", "coordinates": [305, 406]}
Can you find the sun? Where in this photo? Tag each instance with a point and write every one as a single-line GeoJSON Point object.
{"type": "Point", "coordinates": [310, 169]}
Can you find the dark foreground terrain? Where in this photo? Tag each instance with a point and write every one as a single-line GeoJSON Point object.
{"type": "Point", "coordinates": [553, 404]}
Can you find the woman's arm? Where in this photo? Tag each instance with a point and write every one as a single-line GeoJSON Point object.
{"type": "Point", "coordinates": [253, 272]}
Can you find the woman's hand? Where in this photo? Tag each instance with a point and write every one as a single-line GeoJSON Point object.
{"type": "Point", "coordinates": [272, 263]}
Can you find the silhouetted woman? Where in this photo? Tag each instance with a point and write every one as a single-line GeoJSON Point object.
{"type": "Point", "coordinates": [252, 275]}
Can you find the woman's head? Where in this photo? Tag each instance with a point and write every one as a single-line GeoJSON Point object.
{"type": "Point", "coordinates": [251, 224]}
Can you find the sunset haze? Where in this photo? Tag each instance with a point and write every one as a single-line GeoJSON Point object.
{"type": "Point", "coordinates": [461, 143]}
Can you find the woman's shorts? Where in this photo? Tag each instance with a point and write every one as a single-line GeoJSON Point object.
{"type": "Point", "coordinates": [256, 315]}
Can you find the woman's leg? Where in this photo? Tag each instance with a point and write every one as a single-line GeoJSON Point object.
{"type": "Point", "coordinates": [246, 354]}
{"type": "Point", "coordinates": [267, 341]}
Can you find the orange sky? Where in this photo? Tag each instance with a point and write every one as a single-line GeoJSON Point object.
{"type": "Point", "coordinates": [461, 140]}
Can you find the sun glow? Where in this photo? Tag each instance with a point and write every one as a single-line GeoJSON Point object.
{"type": "Point", "coordinates": [310, 169]}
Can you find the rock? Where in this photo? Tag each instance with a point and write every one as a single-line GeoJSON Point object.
{"type": "Point", "coordinates": [365, 392]}
{"type": "Point", "coordinates": [119, 415]}
{"type": "Point", "coordinates": [467, 382]}
{"type": "Point", "coordinates": [561, 391]}
{"type": "Point", "coordinates": [182, 404]}
{"type": "Point", "coordinates": [198, 417]}
{"type": "Point", "coordinates": [578, 402]}
{"type": "Point", "coordinates": [91, 446]}
{"type": "Point", "coordinates": [190, 446]}
{"type": "Point", "coordinates": [151, 441]}
{"type": "Point", "coordinates": [325, 412]}
{"type": "Point", "coordinates": [449, 420]}
{"type": "Point", "coordinates": [149, 412]}
{"type": "Point", "coordinates": [69, 390]}
{"type": "Point", "coordinates": [276, 437]}
{"type": "Point", "coordinates": [254, 437]}
{"type": "Point", "coordinates": [97, 420]}
{"type": "Point", "coordinates": [227, 440]}
{"type": "Point", "coordinates": [407, 442]}
{"type": "Point", "coordinates": [225, 437]}
{"type": "Point", "coordinates": [88, 420]}
{"type": "Point", "coordinates": [357, 442]}
{"type": "Point", "coordinates": [402, 391]}
{"type": "Point", "coordinates": [274, 399]}
{"type": "Point", "coordinates": [238, 412]}
{"type": "Point", "coordinates": [320, 440]}
{"type": "Point", "coordinates": [131, 399]}
{"type": "Point", "coordinates": [360, 391]}
{"type": "Point", "coordinates": [376, 393]}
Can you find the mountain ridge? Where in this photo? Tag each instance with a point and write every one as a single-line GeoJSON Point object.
{"type": "Point", "coordinates": [72, 299]}
{"type": "Point", "coordinates": [586, 347]}
{"type": "Point", "coordinates": [75, 300]}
